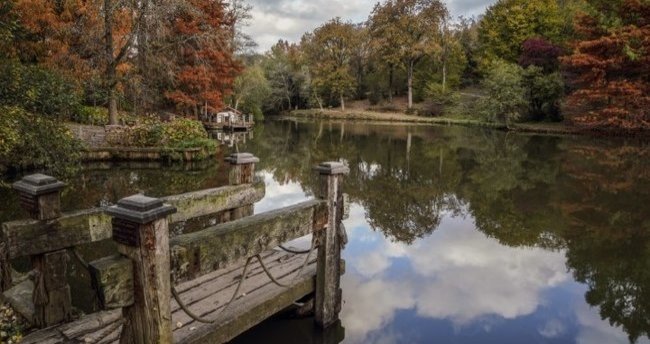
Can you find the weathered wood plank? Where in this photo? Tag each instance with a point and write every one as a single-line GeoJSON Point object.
{"type": "Point", "coordinates": [195, 254]}
{"type": "Point", "coordinates": [257, 306]}
{"type": "Point", "coordinates": [210, 201]}
{"type": "Point", "coordinates": [52, 299]}
{"type": "Point", "coordinates": [91, 326]}
{"type": "Point", "coordinates": [328, 293]}
{"type": "Point", "coordinates": [112, 279]}
{"type": "Point", "coordinates": [29, 237]}
{"type": "Point", "coordinates": [148, 318]}
{"type": "Point", "coordinates": [91, 323]}
{"type": "Point", "coordinates": [211, 297]}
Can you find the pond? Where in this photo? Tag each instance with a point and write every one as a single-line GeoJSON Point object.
{"type": "Point", "coordinates": [456, 235]}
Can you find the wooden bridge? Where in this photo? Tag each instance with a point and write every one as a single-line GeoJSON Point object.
{"type": "Point", "coordinates": [206, 286]}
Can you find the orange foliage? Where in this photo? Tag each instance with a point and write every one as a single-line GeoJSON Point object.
{"type": "Point", "coordinates": [610, 70]}
{"type": "Point", "coordinates": [206, 66]}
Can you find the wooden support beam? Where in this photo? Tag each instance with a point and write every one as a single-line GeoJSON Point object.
{"type": "Point", "coordinates": [52, 300]}
{"type": "Point", "coordinates": [328, 271]}
{"type": "Point", "coordinates": [198, 253]}
{"type": "Point", "coordinates": [141, 231]}
{"type": "Point", "coordinates": [112, 279]}
{"type": "Point", "coordinates": [40, 195]}
{"type": "Point", "coordinates": [28, 237]}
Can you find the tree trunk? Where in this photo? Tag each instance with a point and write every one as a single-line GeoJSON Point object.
{"type": "Point", "coordinates": [390, 83]}
{"type": "Point", "coordinates": [110, 62]}
{"type": "Point", "coordinates": [410, 84]}
{"type": "Point", "coordinates": [444, 76]}
{"type": "Point", "coordinates": [342, 103]}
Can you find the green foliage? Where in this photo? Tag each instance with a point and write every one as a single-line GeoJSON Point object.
{"type": "Point", "coordinates": [149, 131]}
{"type": "Point", "coordinates": [440, 95]}
{"type": "Point", "coordinates": [543, 93]}
{"type": "Point", "coordinates": [251, 91]}
{"type": "Point", "coordinates": [330, 50]}
{"type": "Point", "coordinates": [28, 141]}
{"type": "Point", "coordinates": [506, 97]}
{"type": "Point", "coordinates": [181, 130]}
{"type": "Point", "coordinates": [508, 23]}
{"type": "Point", "coordinates": [37, 90]}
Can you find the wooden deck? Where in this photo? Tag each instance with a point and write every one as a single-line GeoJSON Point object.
{"type": "Point", "coordinates": [206, 296]}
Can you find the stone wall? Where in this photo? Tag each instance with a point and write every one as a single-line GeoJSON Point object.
{"type": "Point", "coordinates": [93, 136]}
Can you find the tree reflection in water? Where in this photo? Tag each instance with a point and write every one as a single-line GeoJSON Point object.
{"type": "Point", "coordinates": [587, 197]}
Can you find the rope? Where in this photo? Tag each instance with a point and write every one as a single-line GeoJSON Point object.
{"type": "Point", "coordinates": [234, 295]}
{"type": "Point", "coordinates": [198, 318]}
{"type": "Point", "coordinates": [289, 250]}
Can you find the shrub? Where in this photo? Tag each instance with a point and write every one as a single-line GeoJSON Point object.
{"type": "Point", "coordinates": [182, 130]}
{"type": "Point", "coordinates": [149, 131]}
{"type": "Point", "coordinates": [37, 90]}
{"type": "Point", "coordinates": [543, 93]}
{"type": "Point", "coordinates": [506, 97]}
{"type": "Point", "coordinates": [28, 140]}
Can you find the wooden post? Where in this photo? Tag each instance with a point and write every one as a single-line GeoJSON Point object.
{"type": "Point", "coordinates": [140, 228]}
{"type": "Point", "coordinates": [242, 171]}
{"type": "Point", "coordinates": [328, 265]}
{"type": "Point", "coordinates": [40, 195]}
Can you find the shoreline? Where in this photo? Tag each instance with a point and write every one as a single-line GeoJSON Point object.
{"type": "Point", "coordinates": [370, 116]}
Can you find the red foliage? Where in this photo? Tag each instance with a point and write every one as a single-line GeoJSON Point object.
{"type": "Point", "coordinates": [540, 52]}
{"type": "Point", "coordinates": [610, 70]}
{"type": "Point", "coordinates": [206, 65]}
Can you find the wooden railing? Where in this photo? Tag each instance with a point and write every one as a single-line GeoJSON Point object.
{"type": "Point", "coordinates": [139, 279]}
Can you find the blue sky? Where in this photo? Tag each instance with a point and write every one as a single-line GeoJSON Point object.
{"type": "Point", "coordinates": [289, 19]}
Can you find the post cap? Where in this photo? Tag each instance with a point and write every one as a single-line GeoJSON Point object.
{"type": "Point", "coordinates": [38, 184]}
{"type": "Point", "coordinates": [140, 209]}
{"type": "Point", "coordinates": [242, 158]}
{"type": "Point", "coordinates": [332, 167]}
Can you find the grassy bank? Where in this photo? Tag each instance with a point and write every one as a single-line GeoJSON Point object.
{"type": "Point", "coordinates": [361, 115]}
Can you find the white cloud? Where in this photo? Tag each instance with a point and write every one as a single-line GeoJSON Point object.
{"type": "Point", "coordinates": [459, 274]}
{"type": "Point", "coordinates": [289, 19]}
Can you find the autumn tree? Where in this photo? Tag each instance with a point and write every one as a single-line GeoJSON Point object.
{"type": "Point", "coordinates": [403, 32]}
{"type": "Point", "coordinates": [330, 49]}
{"type": "Point", "coordinates": [206, 67]}
{"type": "Point", "coordinates": [610, 67]}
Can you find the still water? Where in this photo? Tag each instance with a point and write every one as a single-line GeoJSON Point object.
{"type": "Point", "coordinates": [456, 235]}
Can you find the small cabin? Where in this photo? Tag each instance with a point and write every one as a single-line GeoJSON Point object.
{"type": "Point", "coordinates": [228, 119]}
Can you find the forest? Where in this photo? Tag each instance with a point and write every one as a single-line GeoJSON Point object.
{"type": "Point", "coordinates": [581, 62]}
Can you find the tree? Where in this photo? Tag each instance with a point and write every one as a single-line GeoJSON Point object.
{"type": "Point", "coordinates": [506, 97]}
{"type": "Point", "coordinates": [206, 67]}
{"type": "Point", "coordinates": [509, 23]}
{"type": "Point", "coordinates": [403, 32]}
{"type": "Point", "coordinates": [287, 78]}
{"type": "Point", "coordinates": [251, 90]}
{"type": "Point", "coordinates": [543, 93]}
{"type": "Point", "coordinates": [330, 50]}
{"type": "Point", "coordinates": [609, 69]}
{"type": "Point", "coordinates": [541, 53]}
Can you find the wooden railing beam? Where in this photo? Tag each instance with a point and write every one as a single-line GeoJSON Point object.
{"type": "Point", "coordinates": [196, 254]}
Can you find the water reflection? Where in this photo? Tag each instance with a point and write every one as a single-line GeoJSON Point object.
{"type": "Point", "coordinates": [456, 234]}
{"type": "Point", "coordinates": [467, 235]}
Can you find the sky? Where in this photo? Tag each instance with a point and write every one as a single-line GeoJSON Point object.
{"type": "Point", "coordinates": [289, 19]}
